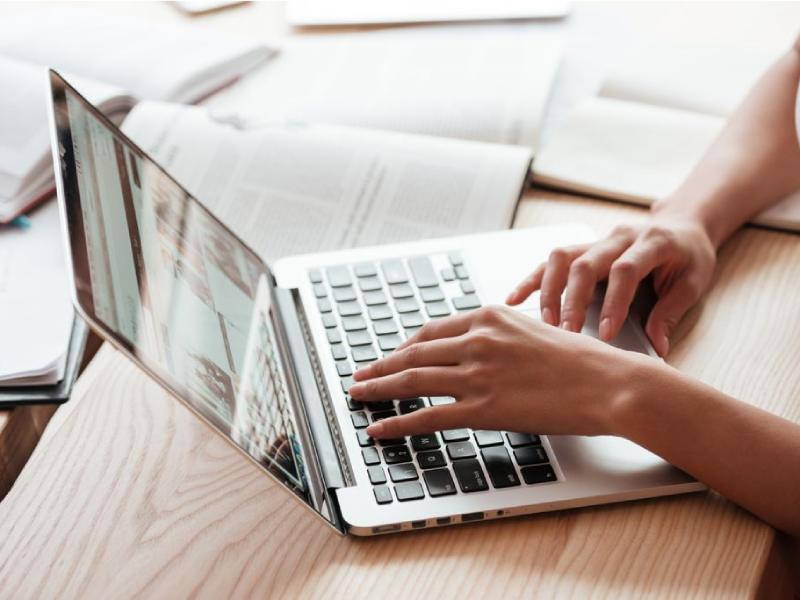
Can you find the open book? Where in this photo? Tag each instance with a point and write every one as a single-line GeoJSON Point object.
{"type": "Point", "coordinates": [139, 59]}
{"type": "Point", "coordinates": [649, 126]}
{"type": "Point", "coordinates": [317, 187]}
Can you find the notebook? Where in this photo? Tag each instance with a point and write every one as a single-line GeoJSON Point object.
{"type": "Point", "coordinates": [650, 124]}
{"type": "Point", "coordinates": [139, 59]}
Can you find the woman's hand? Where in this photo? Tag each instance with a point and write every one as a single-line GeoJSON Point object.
{"type": "Point", "coordinates": [506, 371]}
{"type": "Point", "coordinates": [676, 249]}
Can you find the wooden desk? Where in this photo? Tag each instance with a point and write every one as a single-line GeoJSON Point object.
{"type": "Point", "coordinates": [131, 495]}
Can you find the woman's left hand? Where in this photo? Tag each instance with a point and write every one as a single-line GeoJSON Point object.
{"type": "Point", "coordinates": [507, 372]}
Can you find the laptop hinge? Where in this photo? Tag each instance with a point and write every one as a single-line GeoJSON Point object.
{"type": "Point", "coordinates": [312, 391]}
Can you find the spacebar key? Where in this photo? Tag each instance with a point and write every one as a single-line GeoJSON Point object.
{"type": "Point", "coordinates": [422, 270]}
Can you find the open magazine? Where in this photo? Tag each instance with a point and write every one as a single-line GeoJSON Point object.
{"type": "Point", "coordinates": [139, 60]}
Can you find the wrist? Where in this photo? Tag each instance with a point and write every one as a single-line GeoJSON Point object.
{"type": "Point", "coordinates": [638, 385]}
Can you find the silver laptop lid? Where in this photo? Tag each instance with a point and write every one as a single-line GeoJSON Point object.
{"type": "Point", "coordinates": [159, 276]}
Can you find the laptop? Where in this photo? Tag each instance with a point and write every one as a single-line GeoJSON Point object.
{"type": "Point", "coordinates": [264, 354]}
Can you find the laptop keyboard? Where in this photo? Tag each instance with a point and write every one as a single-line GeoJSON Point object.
{"type": "Point", "coordinates": [370, 308]}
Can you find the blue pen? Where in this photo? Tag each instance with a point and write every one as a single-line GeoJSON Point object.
{"type": "Point", "coordinates": [22, 222]}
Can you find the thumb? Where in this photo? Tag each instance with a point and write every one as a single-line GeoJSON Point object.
{"type": "Point", "coordinates": [666, 314]}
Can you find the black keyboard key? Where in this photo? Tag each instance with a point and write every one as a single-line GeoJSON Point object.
{"type": "Point", "coordinates": [371, 456]}
{"type": "Point", "coordinates": [422, 271]}
{"type": "Point", "coordinates": [501, 469]}
{"type": "Point", "coordinates": [365, 270]}
{"type": "Point", "coordinates": [376, 297]}
{"type": "Point", "coordinates": [470, 475]}
{"type": "Point", "coordinates": [381, 405]}
{"type": "Point", "coordinates": [488, 438]}
{"type": "Point", "coordinates": [344, 368]}
{"type": "Point", "coordinates": [456, 259]}
{"type": "Point", "coordinates": [329, 320]}
{"type": "Point", "coordinates": [359, 338]}
{"type": "Point", "coordinates": [334, 336]}
{"type": "Point", "coordinates": [439, 482]}
{"type": "Point", "coordinates": [363, 439]}
{"type": "Point", "coordinates": [413, 319]}
{"type": "Point", "coordinates": [338, 276]}
{"type": "Point", "coordinates": [354, 404]}
{"type": "Point", "coordinates": [448, 274]}
{"type": "Point", "coordinates": [315, 276]}
{"type": "Point", "coordinates": [410, 331]}
{"type": "Point", "coordinates": [426, 441]}
{"type": "Point", "coordinates": [410, 405]}
{"type": "Point", "coordinates": [344, 294]}
{"type": "Point", "coordinates": [380, 416]}
{"type": "Point", "coordinates": [401, 290]}
{"type": "Point", "coordinates": [339, 352]}
{"type": "Point", "coordinates": [431, 294]}
{"type": "Point", "coordinates": [347, 383]}
{"type": "Point", "coordinates": [406, 305]}
{"type": "Point", "coordinates": [364, 354]}
{"type": "Point", "coordinates": [348, 309]}
{"type": "Point", "coordinates": [384, 327]}
{"type": "Point", "coordinates": [404, 472]}
{"type": "Point", "coordinates": [377, 475]}
{"type": "Point", "coordinates": [392, 441]}
{"type": "Point", "coordinates": [521, 439]}
{"type": "Point", "coordinates": [538, 474]}
{"type": "Point", "coordinates": [441, 400]}
{"type": "Point", "coordinates": [383, 495]}
{"type": "Point", "coordinates": [467, 286]}
{"type": "Point", "coordinates": [324, 305]}
{"type": "Point", "coordinates": [369, 284]}
{"type": "Point", "coordinates": [455, 435]}
{"type": "Point", "coordinates": [410, 490]}
{"type": "Point", "coordinates": [359, 420]}
{"type": "Point", "coordinates": [320, 291]}
{"type": "Point", "coordinates": [394, 271]}
{"type": "Point", "coordinates": [530, 455]}
{"type": "Point", "coordinates": [396, 454]}
{"type": "Point", "coordinates": [437, 309]}
{"type": "Point", "coordinates": [354, 323]}
{"type": "Point", "coordinates": [459, 450]}
{"type": "Point", "coordinates": [431, 459]}
{"type": "Point", "coordinates": [461, 272]}
{"type": "Point", "coordinates": [467, 302]}
{"type": "Point", "coordinates": [379, 311]}
{"type": "Point", "coordinates": [389, 342]}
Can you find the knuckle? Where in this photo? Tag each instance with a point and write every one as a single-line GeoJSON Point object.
{"type": "Point", "coordinates": [623, 231]}
{"type": "Point", "coordinates": [411, 355]}
{"type": "Point", "coordinates": [410, 378]}
{"type": "Point", "coordinates": [623, 269]}
{"type": "Point", "coordinates": [582, 268]}
{"type": "Point", "coordinates": [559, 255]}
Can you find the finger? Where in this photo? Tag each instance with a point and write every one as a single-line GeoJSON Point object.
{"type": "Point", "coordinates": [668, 312]}
{"type": "Point", "coordinates": [554, 280]}
{"type": "Point", "coordinates": [422, 381]}
{"type": "Point", "coordinates": [423, 354]}
{"type": "Point", "coordinates": [426, 420]}
{"type": "Point", "coordinates": [440, 328]}
{"type": "Point", "coordinates": [626, 272]}
{"type": "Point", "coordinates": [584, 273]}
{"type": "Point", "coordinates": [527, 286]}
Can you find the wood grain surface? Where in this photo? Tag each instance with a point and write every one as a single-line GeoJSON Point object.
{"type": "Point", "coordinates": [132, 496]}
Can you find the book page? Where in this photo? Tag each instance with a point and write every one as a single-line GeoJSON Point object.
{"type": "Point", "coordinates": [485, 84]}
{"type": "Point", "coordinates": [149, 60]}
{"type": "Point", "coordinates": [317, 187]}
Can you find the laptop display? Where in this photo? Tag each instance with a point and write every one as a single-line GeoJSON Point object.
{"type": "Point", "coordinates": [178, 290]}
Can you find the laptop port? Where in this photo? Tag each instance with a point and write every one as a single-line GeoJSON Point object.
{"type": "Point", "coordinates": [476, 516]}
{"type": "Point", "coordinates": [443, 521]}
{"type": "Point", "coordinates": [385, 528]}
{"type": "Point", "coordinates": [418, 524]}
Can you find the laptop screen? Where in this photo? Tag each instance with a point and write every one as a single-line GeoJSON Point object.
{"type": "Point", "coordinates": [174, 287]}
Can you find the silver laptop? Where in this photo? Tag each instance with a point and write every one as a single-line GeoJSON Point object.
{"type": "Point", "coordinates": [264, 354]}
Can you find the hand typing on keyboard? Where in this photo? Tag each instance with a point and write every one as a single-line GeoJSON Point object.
{"type": "Point", "coordinates": [507, 371]}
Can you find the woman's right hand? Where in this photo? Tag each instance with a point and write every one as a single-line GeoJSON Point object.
{"type": "Point", "coordinates": [676, 249]}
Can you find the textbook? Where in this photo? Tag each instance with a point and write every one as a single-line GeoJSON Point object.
{"type": "Point", "coordinates": [113, 61]}
{"type": "Point", "coordinates": [317, 187]}
{"type": "Point", "coordinates": [640, 137]}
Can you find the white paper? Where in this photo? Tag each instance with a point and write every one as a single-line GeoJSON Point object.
{"type": "Point", "coordinates": [486, 84]}
{"type": "Point", "coordinates": [315, 187]}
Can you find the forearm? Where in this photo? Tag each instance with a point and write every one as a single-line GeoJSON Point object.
{"type": "Point", "coordinates": [753, 163]}
{"type": "Point", "coordinates": [746, 454]}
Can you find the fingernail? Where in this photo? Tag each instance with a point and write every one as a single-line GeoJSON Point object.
{"type": "Point", "coordinates": [547, 316]}
{"type": "Point", "coordinates": [605, 329]}
{"type": "Point", "coordinates": [566, 325]}
{"type": "Point", "coordinates": [356, 390]}
{"type": "Point", "coordinates": [665, 345]}
{"type": "Point", "coordinates": [360, 373]}
{"type": "Point", "coordinates": [375, 430]}
{"type": "Point", "coordinates": [511, 297]}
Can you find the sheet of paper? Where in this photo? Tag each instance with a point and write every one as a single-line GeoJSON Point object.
{"type": "Point", "coordinates": [35, 309]}
{"type": "Point", "coordinates": [150, 60]}
{"type": "Point", "coordinates": [316, 187]}
{"type": "Point", "coordinates": [487, 84]}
